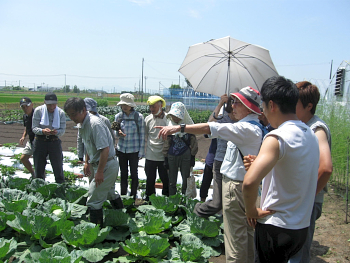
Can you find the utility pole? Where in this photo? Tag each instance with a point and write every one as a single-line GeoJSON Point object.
{"type": "Point", "coordinates": [179, 81]}
{"type": "Point", "coordinates": [65, 84]}
{"type": "Point", "coordinates": [145, 85]}
{"type": "Point", "coordinates": [142, 82]}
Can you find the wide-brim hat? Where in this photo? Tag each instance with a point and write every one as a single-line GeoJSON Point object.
{"type": "Point", "coordinates": [154, 99]}
{"type": "Point", "coordinates": [50, 98]}
{"type": "Point", "coordinates": [90, 104]}
{"type": "Point", "coordinates": [127, 99]}
{"type": "Point", "coordinates": [250, 98]}
{"type": "Point", "coordinates": [25, 101]}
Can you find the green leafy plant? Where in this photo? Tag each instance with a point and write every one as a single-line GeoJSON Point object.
{"type": "Point", "coordinates": [7, 248]}
{"type": "Point", "coordinates": [7, 170]}
{"type": "Point", "coordinates": [74, 162]}
{"type": "Point", "coordinates": [151, 248]}
{"type": "Point", "coordinates": [198, 184]}
{"type": "Point", "coordinates": [152, 222]}
{"type": "Point", "coordinates": [11, 145]}
{"type": "Point", "coordinates": [17, 157]}
{"type": "Point", "coordinates": [168, 204]}
{"type": "Point", "coordinates": [73, 150]}
{"type": "Point", "coordinates": [102, 103]}
{"type": "Point", "coordinates": [142, 183]}
{"type": "Point", "coordinates": [85, 234]}
{"type": "Point", "coordinates": [69, 177]}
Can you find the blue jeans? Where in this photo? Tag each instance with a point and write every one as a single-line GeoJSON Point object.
{"type": "Point", "coordinates": [303, 255]}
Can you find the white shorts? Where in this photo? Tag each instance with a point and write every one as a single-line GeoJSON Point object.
{"type": "Point", "coordinates": [28, 149]}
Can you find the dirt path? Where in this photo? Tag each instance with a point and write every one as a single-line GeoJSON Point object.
{"type": "Point", "coordinates": [332, 236]}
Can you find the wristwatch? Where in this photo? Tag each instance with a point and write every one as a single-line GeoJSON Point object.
{"type": "Point", "coordinates": [182, 127]}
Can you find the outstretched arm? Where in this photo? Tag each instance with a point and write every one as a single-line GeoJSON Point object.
{"type": "Point", "coordinates": [200, 128]}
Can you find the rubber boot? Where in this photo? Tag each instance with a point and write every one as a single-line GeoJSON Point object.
{"type": "Point", "coordinates": [96, 216]}
{"type": "Point", "coordinates": [117, 203]}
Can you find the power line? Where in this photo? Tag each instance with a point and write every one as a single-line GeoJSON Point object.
{"type": "Point", "coordinates": [297, 65]}
{"type": "Point", "coordinates": [32, 75]}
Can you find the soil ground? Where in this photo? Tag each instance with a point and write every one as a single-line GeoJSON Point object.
{"type": "Point", "coordinates": [332, 236]}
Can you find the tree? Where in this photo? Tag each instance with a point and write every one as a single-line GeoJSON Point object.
{"type": "Point", "coordinates": [66, 88]}
{"type": "Point", "coordinates": [175, 86]}
{"type": "Point", "coordinates": [75, 89]}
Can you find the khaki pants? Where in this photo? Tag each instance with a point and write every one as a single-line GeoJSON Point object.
{"type": "Point", "coordinates": [239, 236]}
{"type": "Point", "coordinates": [98, 195]}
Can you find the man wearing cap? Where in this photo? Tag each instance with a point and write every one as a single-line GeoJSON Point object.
{"type": "Point", "coordinates": [154, 155]}
{"type": "Point", "coordinates": [27, 107]}
{"type": "Point", "coordinates": [100, 156]}
{"type": "Point", "coordinates": [244, 136]}
{"type": "Point", "coordinates": [49, 123]}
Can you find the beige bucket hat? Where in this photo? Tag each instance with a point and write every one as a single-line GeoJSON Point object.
{"type": "Point", "coordinates": [127, 99]}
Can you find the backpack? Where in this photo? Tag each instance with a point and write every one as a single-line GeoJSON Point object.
{"type": "Point", "coordinates": [116, 126]}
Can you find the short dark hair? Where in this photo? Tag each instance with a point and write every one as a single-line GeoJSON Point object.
{"type": "Point", "coordinates": [281, 91]}
{"type": "Point", "coordinates": [77, 104]}
{"type": "Point", "coordinates": [308, 93]}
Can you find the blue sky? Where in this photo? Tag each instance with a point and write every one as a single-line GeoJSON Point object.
{"type": "Point", "coordinates": [100, 44]}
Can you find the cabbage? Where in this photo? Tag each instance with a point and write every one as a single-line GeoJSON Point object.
{"type": "Point", "coordinates": [58, 212]}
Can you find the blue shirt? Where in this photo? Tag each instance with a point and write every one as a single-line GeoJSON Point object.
{"type": "Point", "coordinates": [134, 141]}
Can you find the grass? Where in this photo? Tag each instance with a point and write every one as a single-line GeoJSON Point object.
{"type": "Point", "coordinates": [336, 117]}
{"type": "Point", "coordinates": [10, 100]}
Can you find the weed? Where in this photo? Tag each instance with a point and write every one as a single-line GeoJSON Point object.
{"type": "Point", "coordinates": [74, 162]}
{"type": "Point", "coordinates": [142, 184]}
{"type": "Point", "coordinates": [198, 184]}
{"type": "Point", "coordinates": [73, 150]}
{"type": "Point", "coordinates": [7, 170]}
{"type": "Point", "coordinates": [69, 177]}
{"type": "Point", "coordinates": [11, 145]}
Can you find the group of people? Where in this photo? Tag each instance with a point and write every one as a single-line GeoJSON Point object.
{"type": "Point", "coordinates": [44, 126]}
{"type": "Point", "coordinates": [137, 138]}
{"type": "Point", "coordinates": [271, 137]}
{"type": "Point", "coordinates": [292, 161]}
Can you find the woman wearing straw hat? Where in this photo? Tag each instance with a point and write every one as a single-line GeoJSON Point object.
{"type": "Point", "coordinates": [131, 143]}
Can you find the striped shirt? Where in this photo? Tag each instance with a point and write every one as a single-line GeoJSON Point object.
{"type": "Point", "coordinates": [134, 141]}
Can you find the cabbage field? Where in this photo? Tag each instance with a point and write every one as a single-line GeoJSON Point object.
{"type": "Point", "coordinates": [41, 221]}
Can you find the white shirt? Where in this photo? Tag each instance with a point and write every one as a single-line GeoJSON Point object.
{"type": "Point", "coordinates": [242, 134]}
{"type": "Point", "coordinates": [290, 187]}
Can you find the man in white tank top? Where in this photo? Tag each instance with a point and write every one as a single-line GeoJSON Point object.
{"type": "Point", "coordinates": [305, 110]}
{"type": "Point", "coordinates": [288, 164]}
